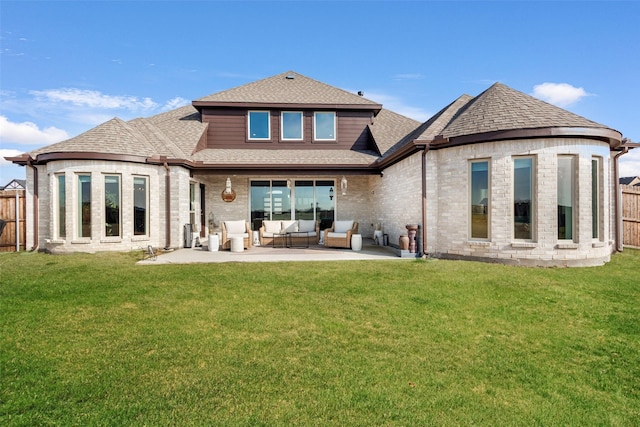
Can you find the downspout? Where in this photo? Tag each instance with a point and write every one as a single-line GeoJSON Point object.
{"type": "Point", "coordinates": [167, 205]}
{"type": "Point", "coordinates": [424, 199]}
{"type": "Point", "coordinates": [616, 177]}
{"type": "Point", "coordinates": [35, 207]}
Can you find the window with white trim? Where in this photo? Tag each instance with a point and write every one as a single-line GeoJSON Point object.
{"type": "Point", "coordinates": [112, 205]}
{"type": "Point", "coordinates": [324, 126]}
{"type": "Point", "coordinates": [480, 199]}
{"type": "Point", "coordinates": [566, 201]}
{"type": "Point", "coordinates": [61, 206]}
{"type": "Point", "coordinates": [291, 125]}
{"type": "Point", "coordinates": [84, 205]}
{"type": "Point", "coordinates": [596, 197]}
{"type": "Point", "coordinates": [259, 125]}
{"type": "Point", "coordinates": [140, 204]}
{"type": "Point", "coordinates": [523, 208]}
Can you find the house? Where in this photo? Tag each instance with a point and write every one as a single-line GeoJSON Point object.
{"type": "Point", "coordinates": [500, 176]}
{"type": "Point", "coordinates": [630, 180]}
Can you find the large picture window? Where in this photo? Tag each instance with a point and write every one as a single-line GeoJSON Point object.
{"type": "Point", "coordinates": [566, 190]}
{"type": "Point", "coordinates": [112, 205]}
{"type": "Point", "coordinates": [140, 203]}
{"type": "Point", "coordinates": [523, 198]}
{"type": "Point", "coordinates": [84, 205]}
{"type": "Point", "coordinates": [61, 211]}
{"type": "Point", "coordinates": [480, 200]}
{"type": "Point", "coordinates": [324, 126]}
{"type": "Point", "coordinates": [259, 125]}
{"type": "Point", "coordinates": [291, 125]}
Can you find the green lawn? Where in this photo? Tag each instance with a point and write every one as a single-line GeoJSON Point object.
{"type": "Point", "coordinates": [97, 340]}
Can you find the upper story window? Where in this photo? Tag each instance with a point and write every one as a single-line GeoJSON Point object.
{"type": "Point", "coordinates": [259, 125]}
{"type": "Point", "coordinates": [291, 125]}
{"type": "Point", "coordinates": [324, 125]}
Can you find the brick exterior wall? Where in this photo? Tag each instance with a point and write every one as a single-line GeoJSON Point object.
{"type": "Point", "coordinates": [448, 205]}
{"type": "Point", "coordinates": [394, 199]}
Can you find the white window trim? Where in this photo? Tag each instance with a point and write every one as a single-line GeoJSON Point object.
{"type": "Point", "coordinates": [534, 200]}
{"type": "Point", "coordinates": [57, 220]}
{"type": "Point", "coordinates": [147, 217]}
{"type": "Point", "coordinates": [575, 163]}
{"type": "Point", "coordinates": [268, 113]}
{"type": "Point", "coordinates": [104, 205]}
{"type": "Point", "coordinates": [600, 210]}
{"type": "Point", "coordinates": [78, 208]}
{"type": "Point", "coordinates": [315, 128]}
{"type": "Point", "coordinates": [282, 126]}
{"type": "Point", "coordinates": [470, 198]}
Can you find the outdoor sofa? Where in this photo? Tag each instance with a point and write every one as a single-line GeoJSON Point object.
{"type": "Point", "coordinates": [301, 231]}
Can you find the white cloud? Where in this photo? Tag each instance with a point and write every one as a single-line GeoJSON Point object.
{"type": "Point", "coordinates": [174, 103]}
{"type": "Point", "coordinates": [559, 94]}
{"type": "Point", "coordinates": [630, 163]}
{"type": "Point", "coordinates": [29, 133]}
{"type": "Point", "coordinates": [8, 153]}
{"type": "Point", "coordinates": [94, 99]}
{"type": "Point", "coordinates": [397, 105]}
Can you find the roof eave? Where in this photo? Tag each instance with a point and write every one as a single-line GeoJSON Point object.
{"type": "Point", "coordinates": [610, 136]}
{"type": "Point", "coordinates": [199, 105]}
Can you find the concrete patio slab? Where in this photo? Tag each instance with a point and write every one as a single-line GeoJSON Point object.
{"type": "Point", "coordinates": [370, 251]}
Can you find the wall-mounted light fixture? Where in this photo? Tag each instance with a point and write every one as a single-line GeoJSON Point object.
{"type": "Point", "coordinates": [228, 194]}
{"type": "Point", "coordinates": [331, 193]}
{"type": "Point", "coordinates": [343, 186]}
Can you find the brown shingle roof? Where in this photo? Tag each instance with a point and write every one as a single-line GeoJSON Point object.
{"type": "Point", "coordinates": [288, 88]}
{"type": "Point", "coordinates": [173, 134]}
{"type": "Point", "coordinates": [503, 108]}
{"type": "Point", "coordinates": [302, 157]}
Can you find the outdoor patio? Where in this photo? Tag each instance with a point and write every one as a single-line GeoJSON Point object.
{"type": "Point", "coordinates": [370, 251]}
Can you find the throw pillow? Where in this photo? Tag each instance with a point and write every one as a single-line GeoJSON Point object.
{"type": "Point", "coordinates": [306, 225]}
{"type": "Point", "coordinates": [342, 226]}
{"type": "Point", "coordinates": [235, 227]}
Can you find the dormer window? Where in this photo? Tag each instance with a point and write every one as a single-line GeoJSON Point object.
{"type": "Point", "coordinates": [259, 125]}
{"type": "Point", "coordinates": [292, 125]}
{"type": "Point", "coordinates": [324, 126]}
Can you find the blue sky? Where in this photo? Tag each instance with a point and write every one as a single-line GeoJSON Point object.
{"type": "Point", "coordinates": [68, 66]}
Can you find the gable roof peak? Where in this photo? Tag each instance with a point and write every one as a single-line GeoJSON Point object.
{"type": "Point", "coordinates": [285, 88]}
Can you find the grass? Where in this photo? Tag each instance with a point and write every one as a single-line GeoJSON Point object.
{"type": "Point", "coordinates": [97, 340]}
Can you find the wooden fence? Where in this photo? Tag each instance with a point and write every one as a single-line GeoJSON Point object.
{"type": "Point", "coordinates": [631, 215]}
{"type": "Point", "coordinates": [13, 211]}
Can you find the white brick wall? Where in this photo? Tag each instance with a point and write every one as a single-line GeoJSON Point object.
{"type": "Point", "coordinates": [448, 202]}
{"type": "Point", "coordinates": [394, 199]}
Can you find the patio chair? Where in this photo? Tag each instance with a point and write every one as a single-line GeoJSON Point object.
{"type": "Point", "coordinates": [239, 228]}
{"type": "Point", "coordinates": [339, 235]}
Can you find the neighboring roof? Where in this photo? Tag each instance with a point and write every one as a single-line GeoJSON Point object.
{"type": "Point", "coordinates": [288, 88]}
{"type": "Point", "coordinates": [15, 184]}
{"type": "Point", "coordinates": [630, 180]}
